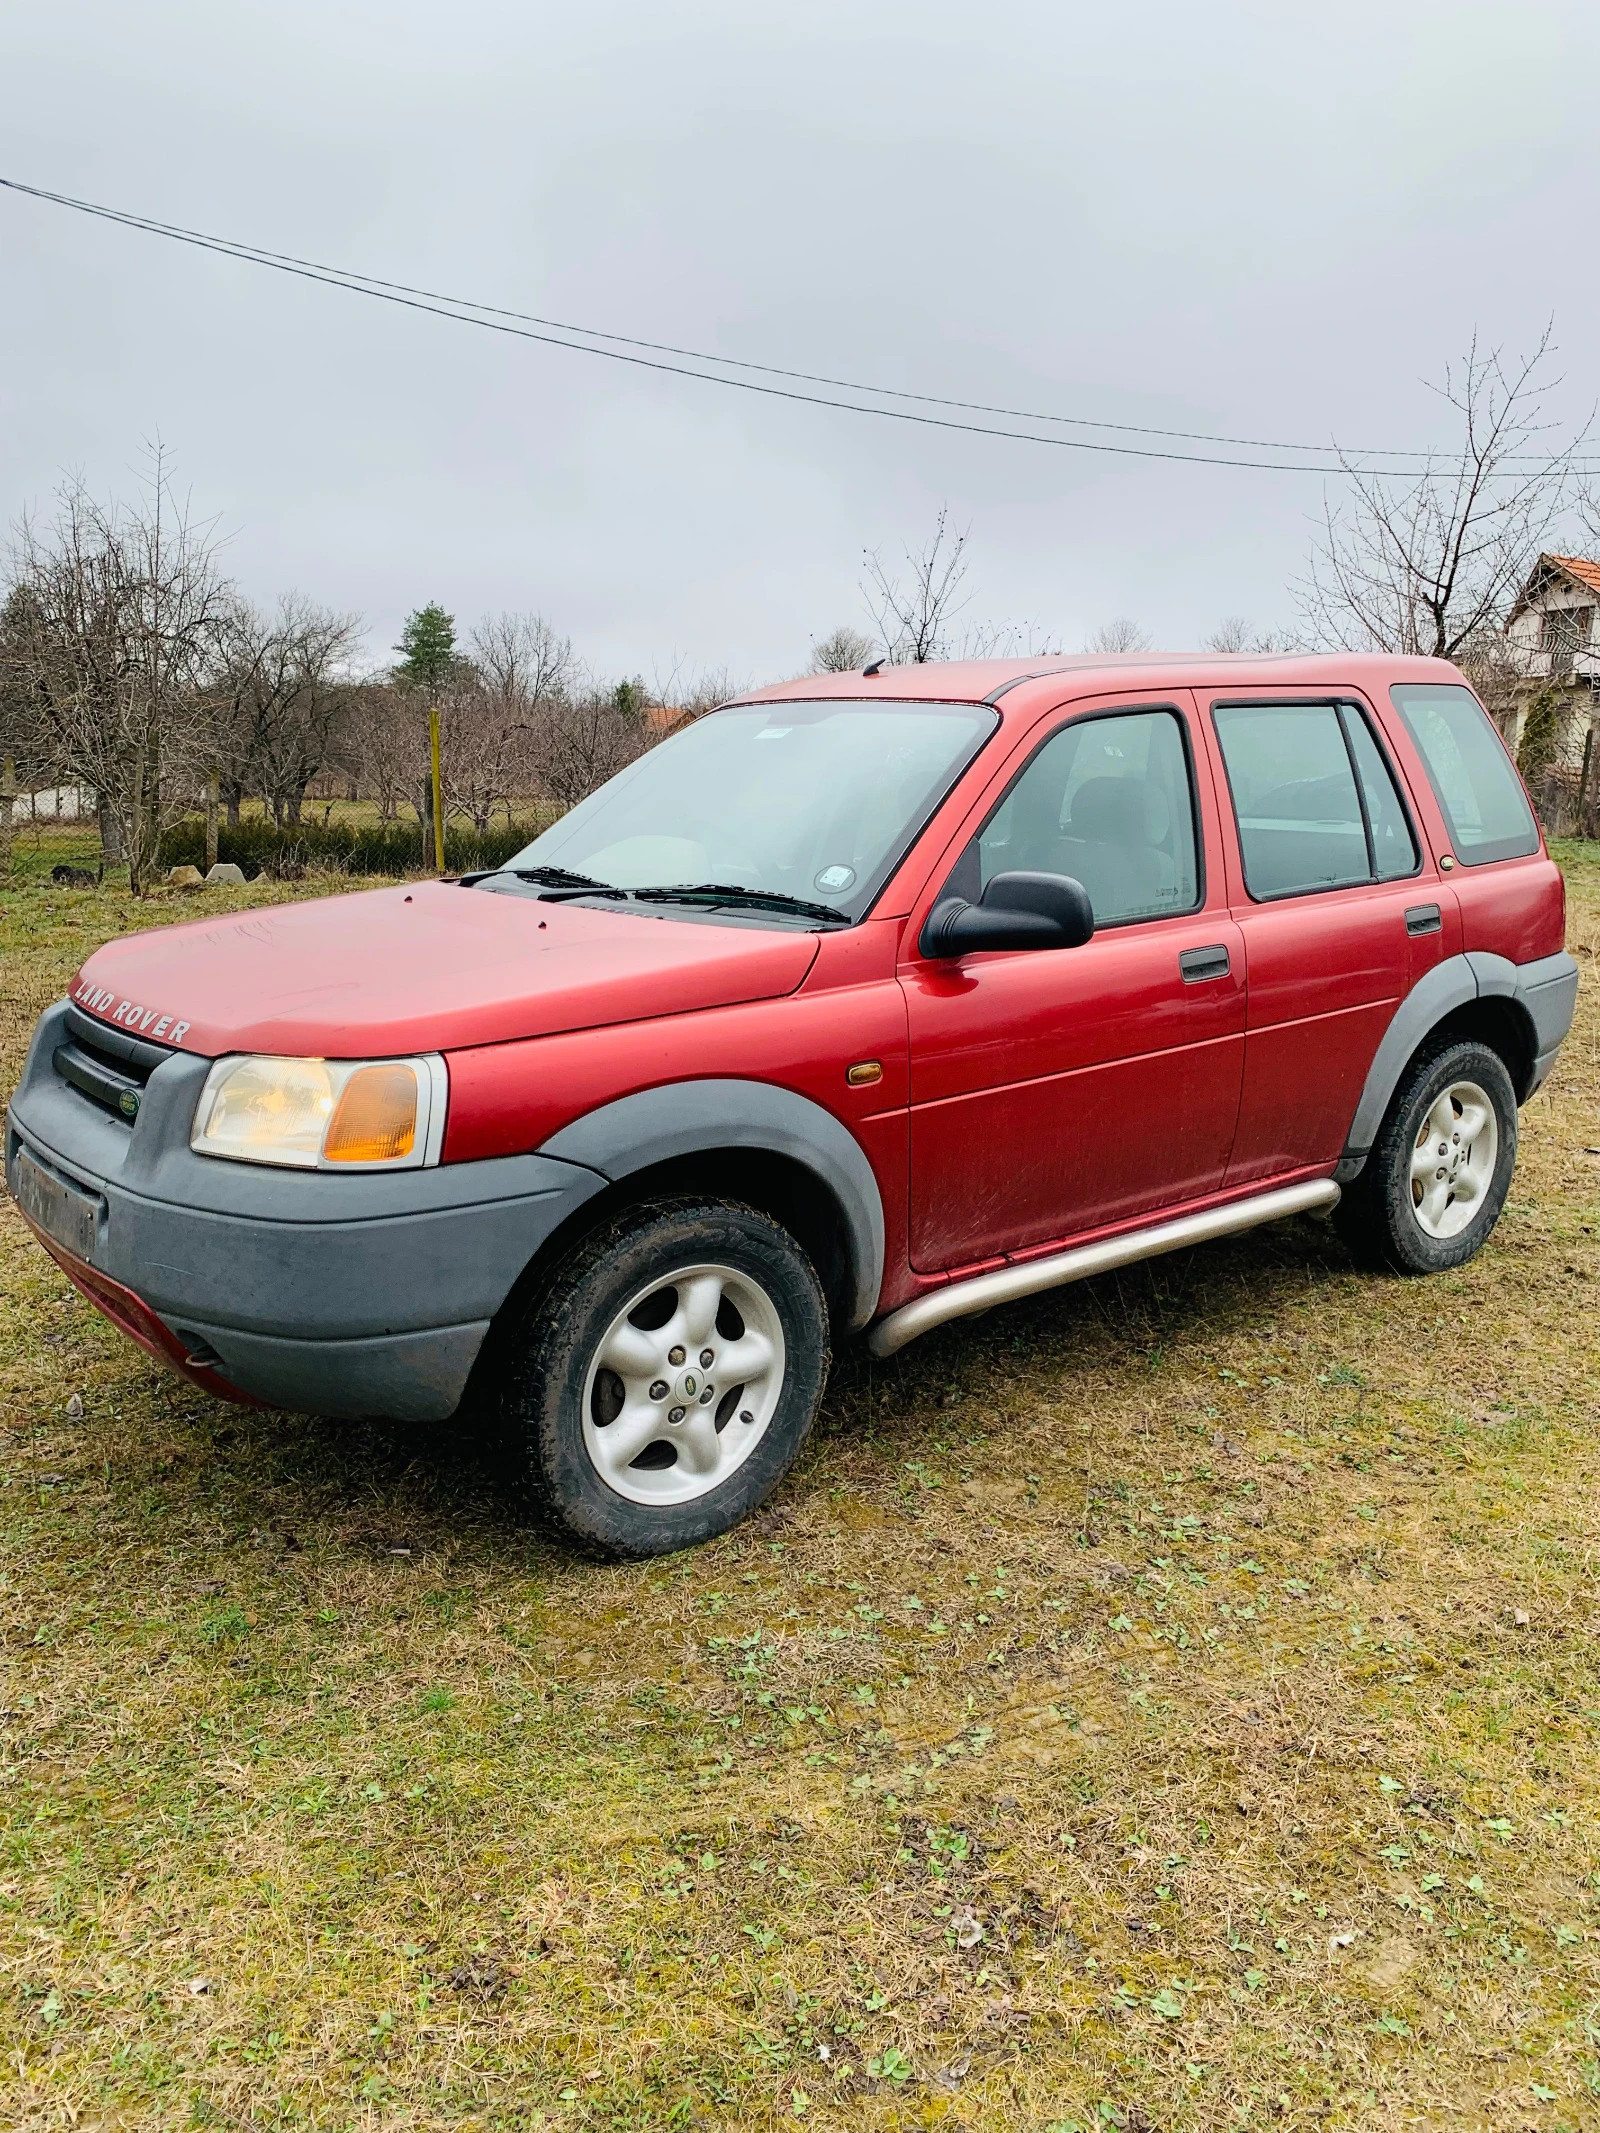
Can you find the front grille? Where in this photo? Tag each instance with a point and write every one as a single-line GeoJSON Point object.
{"type": "Point", "coordinates": [106, 1065]}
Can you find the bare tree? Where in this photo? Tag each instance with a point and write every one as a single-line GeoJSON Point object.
{"type": "Point", "coordinates": [705, 691]}
{"type": "Point", "coordinates": [1120, 634]}
{"type": "Point", "coordinates": [842, 651]}
{"type": "Point", "coordinates": [504, 707]}
{"type": "Point", "coordinates": [1007, 640]}
{"type": "Point", "coordinates": [286, 704]}
{"type": "Point", "coordinates": [521, 658]}
{"type": "Point", "coordinates": [516, 670]}
{"type": "Point", "coordinates": [1430, 563]}
{"type": "Point", "coordinates": [388, 745]}
{"type": "Point", "coordinates": [124, 613]}
{"type": "Point", "coordinates": [915, 613]}
{"type": "Point", "coordinates": [1234, 633]}
{"type": "Point", "coordinates": [587, 738]}
{"type": "Point", "coordinates": [684, 693]}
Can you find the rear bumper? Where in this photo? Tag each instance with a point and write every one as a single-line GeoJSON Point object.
{"type": "Point", "coordinates": [366, 1295]}
{"type": "Point", "coordinates": [1548, 990]}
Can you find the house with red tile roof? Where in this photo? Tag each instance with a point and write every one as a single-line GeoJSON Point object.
{"type": "Point", "coordinates": [1554, 628]}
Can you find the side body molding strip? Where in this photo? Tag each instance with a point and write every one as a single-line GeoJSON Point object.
{"type": "Point", "coordinates": [1008, 1283]}
{"type": "Point", "coordinates": [698, 1117]}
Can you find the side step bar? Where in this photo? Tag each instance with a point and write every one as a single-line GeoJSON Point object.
{"type": "Point", "coordinates": [1007, 1283]}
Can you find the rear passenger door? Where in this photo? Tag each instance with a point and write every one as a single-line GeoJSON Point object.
{"type": "Point", "coordinates": [1325, 863]}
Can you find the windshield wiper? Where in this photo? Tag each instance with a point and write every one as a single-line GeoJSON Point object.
{"type": "Point", "coordinates": [554, 884]}
{"type": "Point", "coordinates": [560, 878]}
{"type": "Point", "coordinates": [727, 892]}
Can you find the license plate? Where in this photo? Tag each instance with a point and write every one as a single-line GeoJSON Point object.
{"type": "Point", "coordinates": [61, 1211]}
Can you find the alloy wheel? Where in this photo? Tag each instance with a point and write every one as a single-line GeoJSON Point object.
{"type": "Point", "coordinates": [1453, 1159]}
{"type": "Point", "coordinates": [683, 1385]}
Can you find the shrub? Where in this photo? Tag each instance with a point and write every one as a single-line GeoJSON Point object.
{"type": "Point", "coordinates": [260, 847]}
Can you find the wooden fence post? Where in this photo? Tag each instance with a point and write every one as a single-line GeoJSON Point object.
{"type": "Point", "coordinates": [213, 796]}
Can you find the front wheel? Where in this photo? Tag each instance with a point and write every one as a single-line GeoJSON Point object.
{"type": "Point", "coordinates": [665, 1382]}
{"type": "Point", "coordinates": [1439, 1171]}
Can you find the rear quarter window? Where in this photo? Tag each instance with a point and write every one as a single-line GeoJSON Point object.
{"type": "Point", "coordinates": [1479, 793]}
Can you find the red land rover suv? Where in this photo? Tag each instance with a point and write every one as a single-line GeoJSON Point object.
{"type": "Point", "coordinates": [866, 1002]}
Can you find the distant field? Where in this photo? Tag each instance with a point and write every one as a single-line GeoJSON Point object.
{"type": "Point", "coordinates": [39, 846]}
{"type": "Point", "coordinates": [1173, 1704]}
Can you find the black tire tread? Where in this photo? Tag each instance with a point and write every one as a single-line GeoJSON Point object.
{"type": "Point", "coordinates": [1374, 1216]}
{"type": "Point", "coordinates": [544, 1346]}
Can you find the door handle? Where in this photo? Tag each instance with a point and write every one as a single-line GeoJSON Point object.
{"type": "Point", "coordinates": [1198, 964]}
{"type": "Point", "coordinates": [1424, 918]}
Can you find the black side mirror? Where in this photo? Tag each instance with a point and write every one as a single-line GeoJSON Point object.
{"type": "Point", "coordinates": [1017, 911]}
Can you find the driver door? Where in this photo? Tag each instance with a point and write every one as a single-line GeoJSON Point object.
{"type": "Point", "coordinates": [1064, 1090]}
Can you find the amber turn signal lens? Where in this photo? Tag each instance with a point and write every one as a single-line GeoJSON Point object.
{"type": "Point", "coordinates": [375, 1119]}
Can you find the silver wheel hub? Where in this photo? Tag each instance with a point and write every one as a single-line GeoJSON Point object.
{"type": "Point", "coordinates": [683, 1384]}
{"type": "Point", "coordinates": [1453, 1159]}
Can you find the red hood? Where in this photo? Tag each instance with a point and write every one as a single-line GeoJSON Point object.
{"type": "Point", "coordinates": [426, 969]}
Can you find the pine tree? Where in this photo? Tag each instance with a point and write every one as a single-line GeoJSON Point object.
{"type": "Point", "coordinates": [427, 651]}
{"type": "Point", "coordinates": [427, 648]}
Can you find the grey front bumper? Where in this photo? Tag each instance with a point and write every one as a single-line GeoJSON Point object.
{"type": "Point", "coordinates": [361, 1295]}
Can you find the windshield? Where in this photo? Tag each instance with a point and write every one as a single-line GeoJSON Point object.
{"type": "Point", "coordinates": [809, 802]}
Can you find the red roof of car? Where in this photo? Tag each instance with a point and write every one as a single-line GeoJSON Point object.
{"type": "Point", "coordinates": [1001, 681]}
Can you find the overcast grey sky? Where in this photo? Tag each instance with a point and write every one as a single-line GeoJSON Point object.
{"type": "Point", "coordinates": [1246, 216]}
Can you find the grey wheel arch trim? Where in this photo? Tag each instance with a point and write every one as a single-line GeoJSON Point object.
{"type": "Point", "coordinates": [710, 1117]}
{"type": "Point", "coordinates": [1545, 991]}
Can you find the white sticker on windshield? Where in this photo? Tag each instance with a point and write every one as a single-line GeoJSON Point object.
{"type": "Point", "coordinates": [773, 733]}
{"type": "Point", "coordinates": [833, 880]}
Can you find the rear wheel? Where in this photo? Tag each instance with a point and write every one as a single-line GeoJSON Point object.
{"type": "Point", "coordinates": [1439, 1171]}
{"type": "Point", "coordinates": [665, 1381]}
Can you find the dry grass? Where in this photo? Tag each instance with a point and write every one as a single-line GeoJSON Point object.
{"type": "Point", "coordinates": [1170, 1705]}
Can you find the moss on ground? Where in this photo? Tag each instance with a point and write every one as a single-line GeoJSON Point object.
{"type": "Point", "coordinates": [1171, 1704]}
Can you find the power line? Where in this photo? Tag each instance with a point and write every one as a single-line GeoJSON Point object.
{"type": "Point", "coordinates": [260, 255]}
{"type": "Point", "coordinates": [559, 334]}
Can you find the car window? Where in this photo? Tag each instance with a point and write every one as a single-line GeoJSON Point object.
{"type": "Point", "coordinates": [1294, 797]}
{"type": "Point", "coordinates": [1108, 801]}
{"type": "Point", "coordinates": [1314, 797]}
{"type": "Point", "coordinates": [1394, 844]}
{"type": "Point", "coordinates": [1479, 793]}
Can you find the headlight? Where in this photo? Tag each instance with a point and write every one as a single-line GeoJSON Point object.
{"type": "Point", "coordinates": [324, 1114]}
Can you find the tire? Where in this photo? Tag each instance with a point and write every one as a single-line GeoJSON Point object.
{"type": "Point", "coordinates": [1439, 1171]}
{"type": "Point", "coordinates": [614, 1343]}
